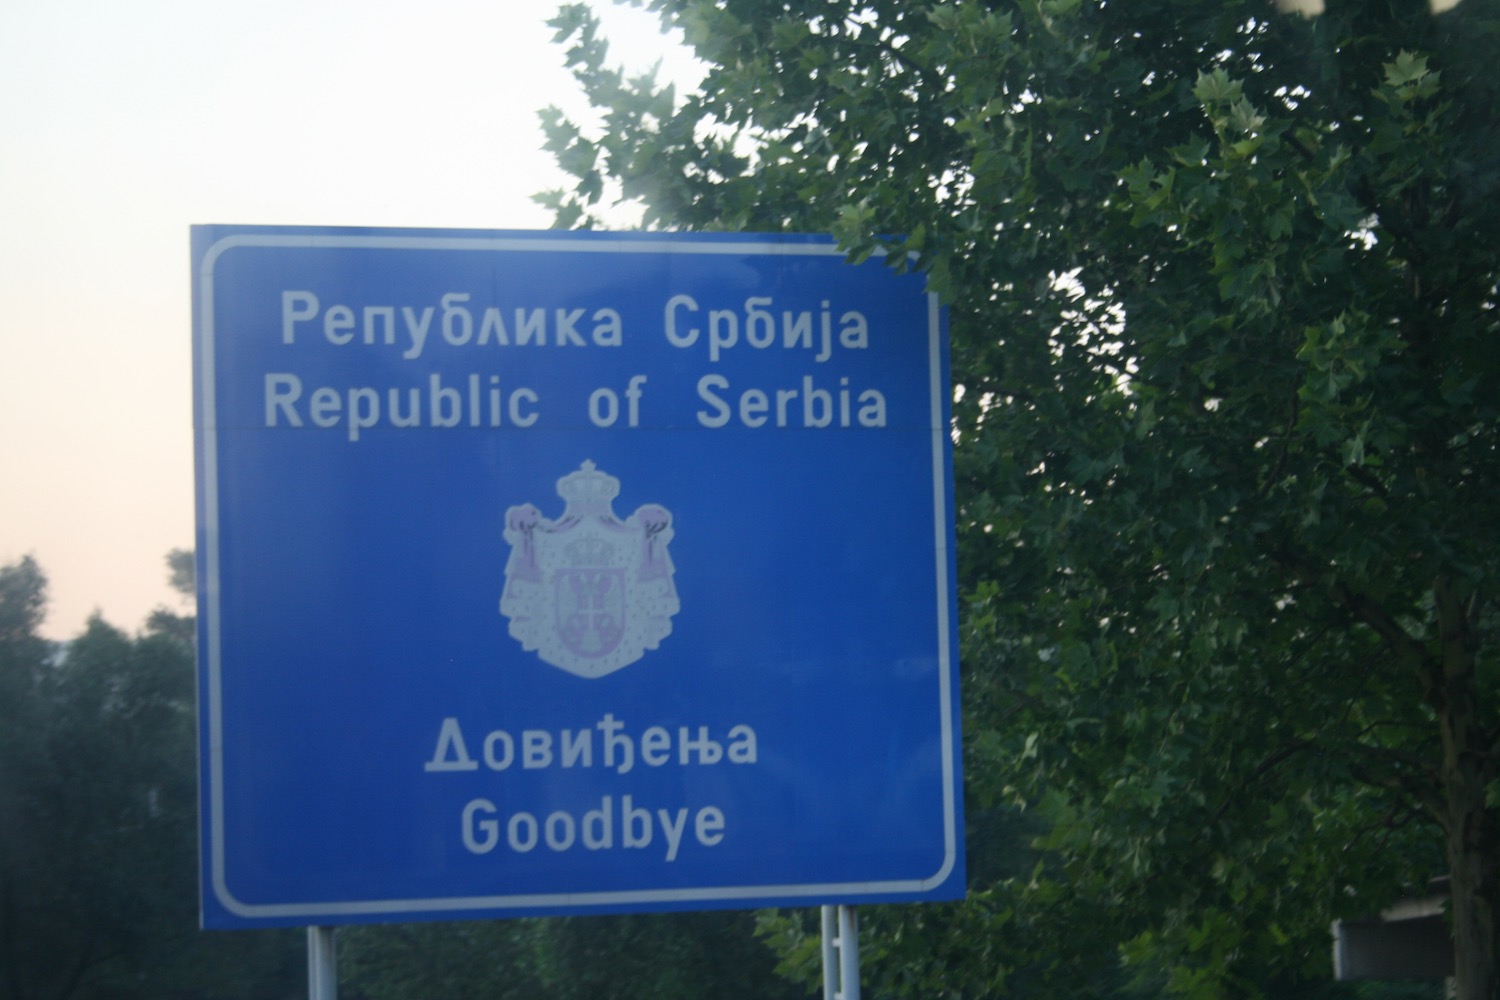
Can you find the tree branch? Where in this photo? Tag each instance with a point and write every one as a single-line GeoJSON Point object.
{"type": "Point", "coordinates": [1365, 609]}
{"type": "Point", "coordinates": [1265, 767]}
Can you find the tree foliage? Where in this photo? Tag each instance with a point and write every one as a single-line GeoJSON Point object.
{"type": "Point", "coordinates": [628, 957]}
{"type": "Point", "coordinates": [97, 818]}
{"type": "Point", "coordinates": [1223, 290]}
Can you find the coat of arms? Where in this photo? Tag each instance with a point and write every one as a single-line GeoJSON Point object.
{"type": "Point", "coordinates": [588, 592]}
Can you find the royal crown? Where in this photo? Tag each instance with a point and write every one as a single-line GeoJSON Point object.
{"type": "Point", "coordinates": [588, 487]}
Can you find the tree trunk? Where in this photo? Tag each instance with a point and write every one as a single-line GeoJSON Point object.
{"type": "Point", "coordinates": [1471, 853]}
{"type": "Point", "coordinates": [1473, 833]}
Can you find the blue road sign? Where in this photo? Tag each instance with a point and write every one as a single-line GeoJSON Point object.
{"type": "Point", "coordinates": [550, 573]}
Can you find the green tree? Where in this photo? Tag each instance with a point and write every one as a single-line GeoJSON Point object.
{"type": "Point", "coordinates": [490, 959]}
{"type": "Point", "coordinates": [1223, 290]}
{"type": "Point", "coordinates": [182, 573]}
{"type": "Point", "coordinates": [646, 956]}
{"type": "Point", "coordinates": [98, 807]}
{"type": "Point", "coordinates": [627, 957]}
{"type": "Point", "coordinates": [23, 661]}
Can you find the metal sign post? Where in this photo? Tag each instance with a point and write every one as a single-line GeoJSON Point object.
{"type": "Point", "coordinates": [322, 964]}
{"type": "Point", "coordinates": [840, 953]}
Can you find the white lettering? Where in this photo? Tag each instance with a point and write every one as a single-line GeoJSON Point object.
{"type": "Point", "coordinates": [577, 748]}
{"type": "Point", "coordinates": [324, 406]}
{"type": "Point", "coordinates": [531, 327]}
{"type": "Point", "coordinates": [458, 322]}
{"type": "Point", "coordinates": [536, 749]}
{"type": "Point", "coordinates": [817, 404]}
{"type": "Point", "coordinates": [673, 831]}
{"type": "Point", "coordinates": [338, 325]}
{"type": "Point", "coordinates": [607, 329]}
{"type": "Point", "coordinates": [413, 415]}
{"type": "Point", "coordinates": [518, 418]}
{"type": "Point", "coordinates": [753, 407]}
{"type": "Point", "coordinates": [827, 328]}
{"type": "Point", "coordinates": [706, 386]}
{"type": "Point", "coordinates": [633, 400]}
{"type": "Point", "coordinates": [610, 727]}
{"type": "Point", "coordinates": [742, 745]}
{"type": "Point", "coordinates": [854, 334]}
{"type": "Point", "coordinates": [451, 754]}
{"type": "Point", "coordinates": [296, 306]}
{"type": "Point", "coordinates": [723, 331]}
{"type": "Point", "coordinates": [796, 329]}
{"type": "Point", "coordinates": [760, 328]}
{"type": "Point", "coordinates": [604, 407]}
{"type": "Point", "coordinates": [385, 313]}
{"type": "Point", "coordinates": [709, 826]}
{"type": "Point", "coordinates": [364, 411]}
{"type": "Point", "coordinates": [416, 328]}
{"type": "Point", "coordinates": [480, 825]}
{"type": "Point", "coordinates": [499, 761]}
{"type": "Point", "coordinates": [669, 321]}
{"type": "Point", "coordinates": [461, 324]}
{"type": "Point", "coordinates": [656, 746]}
{"type": "Point", "coordinates": [599, 827]}
{"type": "Point", "coordinates": [521, 832]}
{"type": "Point", "coordinates": [820, 406]}
{"type": "Point", "coordinates": [493, 326]}
{"type": "Point", "coordinates": [560, 831]}
{"type": "Point", "coordinates": [360, 408]}
{"type": "Point", "coordinates": [566, 332]}
{"type": "Point", "coordinates": [444, 407]}
{"type": "Point", "coordinates": [635, 824]}
{"type": "Point", "coordinates": [282, 390]}
{"type": "Point", "coordinates": [709, 751]}
{"type": "Point", "coordinates": [482, 836]}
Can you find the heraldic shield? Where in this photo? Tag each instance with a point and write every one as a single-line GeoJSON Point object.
{"type": "Point", "coordinates": [588, 592]}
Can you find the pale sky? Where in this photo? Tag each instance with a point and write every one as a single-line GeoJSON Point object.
{"type": "Point", "coordinates": [122, 124]}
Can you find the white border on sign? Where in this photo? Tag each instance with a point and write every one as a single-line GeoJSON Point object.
{"type": "Point", "coordinates": [540, 901]}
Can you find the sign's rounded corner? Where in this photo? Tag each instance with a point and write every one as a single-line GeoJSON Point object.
{"type": "Point", "coordinates": [217, 249]}
{"type": "Point", "coordinates": [945, 871]}
{"type": "Point", "coordinates": [230, 903]}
